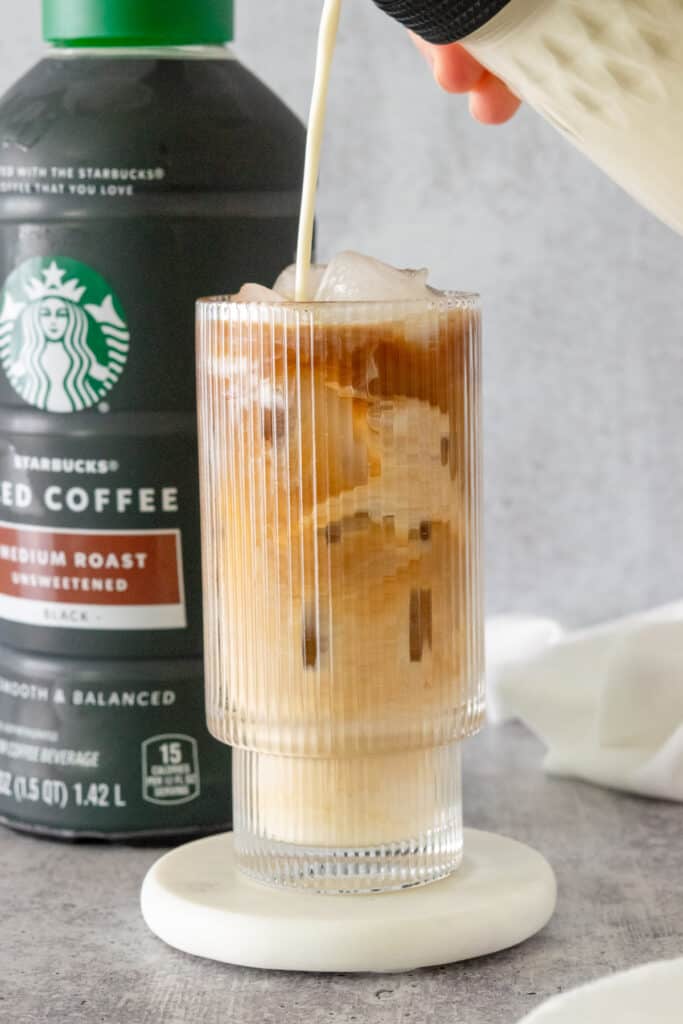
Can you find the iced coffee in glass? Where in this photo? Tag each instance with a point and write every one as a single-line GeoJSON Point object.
{"type": "Point", "coordinates": [340, 487]}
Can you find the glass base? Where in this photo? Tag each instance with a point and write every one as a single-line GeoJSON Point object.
{"type": "Point", "coordinates": [331, 825]}
{"type": "Point", "coordinates": [354, 870]}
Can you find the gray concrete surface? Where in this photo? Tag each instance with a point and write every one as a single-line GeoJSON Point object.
{"type": "Point", "coordinates": [74, 949]}
{"type": "Point", "coordinates": [582, 293]}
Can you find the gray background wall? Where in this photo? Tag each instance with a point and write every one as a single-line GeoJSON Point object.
{"type": "Point", "coordinates": [582, 293]}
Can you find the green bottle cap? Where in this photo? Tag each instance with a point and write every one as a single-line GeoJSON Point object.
{"type": "Point", "coordinates": [137, 22]}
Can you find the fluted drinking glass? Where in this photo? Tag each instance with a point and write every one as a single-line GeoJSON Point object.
{"type": "Point", "coordinates": [340, 490]}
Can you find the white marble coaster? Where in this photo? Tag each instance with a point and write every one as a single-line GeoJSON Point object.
{"type": "Point", "coordinates": [194, 899]}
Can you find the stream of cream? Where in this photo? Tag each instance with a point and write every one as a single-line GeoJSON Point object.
{"type": "Point", "coordinates": [327, 38]}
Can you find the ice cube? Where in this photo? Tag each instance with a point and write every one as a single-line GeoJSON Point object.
{"type": "Point", "coordinates": [353, 277]}
{"type": "Point", "coordinates": [286, 282]}
{"type": "Point", "coordinates": [256, 293]}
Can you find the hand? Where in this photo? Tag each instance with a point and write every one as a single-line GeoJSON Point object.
{"type": "Point", "coordinates": [491, 102]}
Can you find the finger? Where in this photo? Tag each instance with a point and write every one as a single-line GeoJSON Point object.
{"type": "Point", "coordinates": [491, 102]}
{"type": "Point", "coordinates": [454, 68]}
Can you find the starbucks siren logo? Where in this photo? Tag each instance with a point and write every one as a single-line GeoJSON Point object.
{"type": "Point", "coordinates": [63, 338]}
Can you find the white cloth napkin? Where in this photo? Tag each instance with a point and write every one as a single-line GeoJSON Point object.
{"type": "Point", "coordinates": [652, 994]}
{"type": "Point", "coordinates": [511, 640]}
{"type": "Point", "coordinates": [607, 702]}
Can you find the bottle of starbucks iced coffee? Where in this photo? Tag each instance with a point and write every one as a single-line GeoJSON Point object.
{"type": "Point", "coordinates": [139, 162]}
{"type": "Point", "coordinates": [608, 75]}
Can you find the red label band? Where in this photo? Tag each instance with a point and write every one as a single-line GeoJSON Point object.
{"type": "Point", "coordinates": [114, 569]}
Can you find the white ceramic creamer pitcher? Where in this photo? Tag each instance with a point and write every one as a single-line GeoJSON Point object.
{"type": "Point", "coordinates": [607, 73]}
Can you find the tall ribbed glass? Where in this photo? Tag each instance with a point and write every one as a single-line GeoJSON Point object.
{"type": "Point", "coordinates": [340, 488]}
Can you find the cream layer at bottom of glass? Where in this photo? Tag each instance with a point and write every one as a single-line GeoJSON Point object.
{"type": "Point", "coordinates": [361, 824]}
